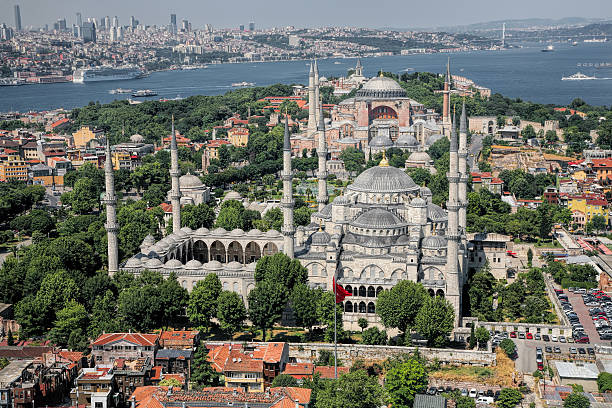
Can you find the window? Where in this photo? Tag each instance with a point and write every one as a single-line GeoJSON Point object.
{"type": "Point", "coordinates": [99, 404]}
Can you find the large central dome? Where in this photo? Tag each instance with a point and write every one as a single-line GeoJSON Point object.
{"type": "Point", "coordinates": [384, 179]}
{"type": "Point", "coordinates": [382, 87]}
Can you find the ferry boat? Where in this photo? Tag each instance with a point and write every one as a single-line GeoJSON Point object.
{"type": "Point", "coordinates": [141, 93]}
{"type": "Point", "coordinates": [242, 84]}
{"type": "Point", "coordinates": [549, 48]}
{"type": "Point", "coordinates": [120, 91]}
{"type": "Point", "coordinates": [106, 73]}
{"type": "Point", "coordinates": [578, 76]}
{"type": "Point", "coordinates": [597, 40]}
{"type": "Point", "coordinates": [12, 81]}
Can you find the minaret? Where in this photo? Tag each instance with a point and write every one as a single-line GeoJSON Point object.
{"type": "Point", "coordinates": [317, 91]}
{"type": "Point", "coordinates": [463, 173]}
{"type": "Point", "coordinates": [175, 193]}
{"type": "Point", "coordinates": [358, 68]}
{"type": "Point", "coordinates": [453, 290]}
{"type": "Point", "coordinates": [287, 202]}
{"type": "Point", "coordinates": [446, 120]}
{"type": "Point", "coordinates": [312, 103]}
{"type": "Point", "coordinates": [110, 199]}
{"type": "Point", "coordinates": [322, 153]}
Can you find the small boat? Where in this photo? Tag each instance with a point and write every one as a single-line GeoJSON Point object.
{"type": "Point", "coordinates": [141, 93]}
{"type": "Point", "coordinates": [242, 84]}
{"type": "Point", "coordinates": [578, 76]}
{"type": "Point", "coordinates": [337, 63]}
{"type": "Point", "coordinates": [549, 48]}
{"type": "Point", "coordinates": [120, 91]}
{"type": "Point", "coordinates": [575, 44]}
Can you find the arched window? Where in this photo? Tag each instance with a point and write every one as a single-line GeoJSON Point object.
{"type": "Point", "coordinates": [362, 307]}
{"type": "Point", "coordinates": [431, 292]}
{"type": "Point", "coordinates": [234, 252]}
{"type": "Point", "coordinates": [252, 252]}
{"type": "Point", "coordinates": [200, 251]}
{"type": "Point", "coordinates": [225, 286]}
{"type": "Point", "coordinates": [371, 307]}
{"type": "Point", "coordinates": [348, 307]}
{"type": "Point", "coordinates": [349, 288]}
{"type": "Point", "coordinates": [440, 293]}
{"type": "Point", "coordinates": [371, 291]}
{"type": "Point", "coordinates": [235, 287]}
{"type": "Point", "coordinates": [217, 251]}
{"type": "Point", "coordinates": [362, 291]}
{"type": "Point", "coordinates": [378, 290]}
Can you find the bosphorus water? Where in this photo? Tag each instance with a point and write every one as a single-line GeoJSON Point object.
{"type": "Point", "coordinates": [525, 73]}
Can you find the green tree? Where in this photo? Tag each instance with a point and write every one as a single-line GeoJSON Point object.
{"type": "Point", "coordinates": [508, 346]}
{"type": "Point", "coordinates": [173, 300]}
{"type": "Point", "coordinates": [435, 320]}
{"type": "Point", "coordinates": [362, 322]}
{"type": "Point", "coordinates": [71, 318]}
{"type": "Point", "coordinates": [103, 315]}
{"type": "Point", "coordinates": [301, 216]}
{"type": "Point", "coordinates": [599, 222]}
{"type": "Point", "coordinates": [604, 382]}
{"type": "Point", "coordinates": [281, 269]}
{"type": "Point", "coordinates": [202, 373]}
{"type": "Point", "coordinates": [266, 303]}
{"type": "Point", "coordinates": [171, 382]}
{"type": "Point", "coordinates": [284, 380]}
{"type": "Point", "coordinates": [197, 216]}
{"type": "Point", "coordinates": [9, 338]}
{"type": "Point", "coordinates": [399, 306]}
{"type": "Point", "coordinates": [229, 218]}
{"type": "Point", "coordinates": [576, 400]}
{"type": "Point", "coordinates": [529, 257]}
{"type": "Point", "coordinates": [231, 312]}
{"type": "Point", "coordinates": [202, 306]}
{"type": "Point", "coordinates": [404, 381]}
{"type": "Point", "coordinates": [509, 397]}
{"type": "Point", "coordinates": [352, 390]}
{"type": "Point", "coordinates": [374, 336]}
{"type": "Point", "coordinates": [528, 133]}
{"type": "Point", "coordinates": [83, 198]}
{"type": "Point", "coordinates": [304, 301]}
{"type": "Point", "coordinates": [482, 336]}
{"type": "Point", "coordinates": [465, 402]}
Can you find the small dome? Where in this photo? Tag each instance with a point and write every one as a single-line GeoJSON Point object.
{"type": "Point", "coordinates": [383, 179]}
{"type": "Point", "coordinates": [380, 140]}
{"type": "Point", "coordinates": [403, 240]}
{"type": "Point", "coordinates": [181, 234]}
{"type": "Point", "coordinates": [133, 263]}
{"type": "Point", "coordinates": [170, 239]}
{"type": "Point", "coordinates": [187, 230]}
{"type": "Point", "coordinates": [418, 202]}
{"type": "Point", "coordinates": [219, 231]}
{"type": "Point", "coordinates": [381, 87]}
{"type": "Point", "coordinates": [232, 195]}
{"type": "Point", "coordinates": [434, 242]}
{"type": "Point", "coordinates": [433, 139]}
{"type": "Point", "coordinates": [234, 265]}
{"type": "Point", "coordinates": [377, 218]}
{"type": "Point", "coordinates": [148, 240]}
{"type": "Point", "coordinates": [213, 265]}
{"type": "Point", "coordinates": [342, 200]}
{"type": "Point", "coordinates": [436, 213]}
{"type": "Point", "coordinates": [173, 263]}
{"type": "Point", "coordinates": [193, 264]}
{"type": "Point", "coordinates": [272, 233]}
{"type": "Point", "coordinates": [153, 249]}
{"type": "Point", "coordinates": [154, 263]}
{"type": "Point", "coordinates": [426, 192]}
{"type": "Point", "coordinates": [419, 157]}
{"type": "Point", "coordinates": [254, 232]}
{"type": "Point", "coordinates": [202, 231]}
{"type": "Point", "coordinates": [136, 138]}
{"type": "Point", "coordinates": [190, 181]}
{"type": "Point", "coordinates": [163, 245]}
{"type": "Point", "coordinates": [406, 140]}
{"type": "Point", "coordinates": [325, 212]}
{"type": "Point", "coordinates": [320, 238]}
{"type": "Point", "coordinates": [237, 232]}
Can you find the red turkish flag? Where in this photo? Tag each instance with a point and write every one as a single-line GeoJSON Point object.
{"type": "Point", "coordinates": [340, 292]}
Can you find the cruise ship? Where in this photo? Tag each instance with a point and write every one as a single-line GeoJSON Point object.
{"type": "Point", "coordinates": [106, 73]}
{"type": "Point", "coordinates": [578, 76]}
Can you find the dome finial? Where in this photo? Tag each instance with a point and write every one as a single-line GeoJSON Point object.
{"type": "Point", "coordinates": [384, 162]}
{"type": "Point", "coordinates": [381, 73]}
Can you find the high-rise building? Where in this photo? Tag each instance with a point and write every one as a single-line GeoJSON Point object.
{"type": "Point", "coordinates": [185, 25]}
{"type": "Point", "coordinates": [17, 18]}
{"type": "Point", "coordinates": [88, 32]}
{"type": "Point", "coordinates": [241, 28]}
{"type": "Point", "coordinates": [173, 23]}
{"type": "Point", "coordinates": [6, 32]}
{"type": "Point", "coordinates": [133, 22]}
{"type": "Point", "coordinates": [60, 24]}
{"type": "Point", "coordinates": [115, 21]}
{"type": "Point", "coordinates": [79, 21]}
{"type": "Point", "coordinates": [76, 30]}
{"type": "Point", "coordinates": [107, 24]}
{"type": "Point", "coordinates": [252, 26]}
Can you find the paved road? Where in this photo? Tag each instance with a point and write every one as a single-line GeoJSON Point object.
{"type": "Point", "coordinates": [3, 255]}
{"type": "Point", "coordinates": [474, 151]}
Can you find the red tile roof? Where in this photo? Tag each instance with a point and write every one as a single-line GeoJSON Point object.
{"type": "Point", "coordinates": [328, 371]}
{"type": "Point", "coordinates": [274, 352]}
{"type": "Point", "coordinates": [142, 339]}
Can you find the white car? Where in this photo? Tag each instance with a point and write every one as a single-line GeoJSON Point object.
{"type": "Point", "coordinates": [473, 393]}
{"type": "Point", "coordinates": [553, 337]}
{"type": "Point", "coordinates": [484, 400]}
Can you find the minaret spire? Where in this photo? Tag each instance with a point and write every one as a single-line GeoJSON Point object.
{"type": "Point", "coordinates": [446, 120]}
{"type": "Point", "coordinates": [287, 202]}
{"type": "Point", "coordinates": [322, 153]}
{"type": "Point", "coordinates": [175, 173]}
{"type": "Point", "coordinates": [110, 199]}
{"type": "Point", "coordinates": [463, 172]}
{"type": "Point", "coordinates": [317, 94]}
{"type": "Point", "coordinates": [312, 102]}
{"type": "Point", "coordinates": [453, 291]}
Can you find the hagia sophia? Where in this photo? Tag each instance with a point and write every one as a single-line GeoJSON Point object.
{"type": "Point", "coordinates": [384, 228]}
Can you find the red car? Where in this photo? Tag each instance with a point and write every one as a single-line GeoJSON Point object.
{"type": "Point", "coordinates": [529, 336]}
{"type": "Point", "coordinates": [513, 335]}
{"type": "Point", "coordinates": [583, 339]}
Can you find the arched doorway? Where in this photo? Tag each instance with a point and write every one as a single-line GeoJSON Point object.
{"type": "Point", "coordinates": [440, 293]}
{"type": "Point", "coordinates": [234, 252]}
{"type": "Point", "coordinates": [270, 249]}
{"type": "Point", "coordinates": [252, 252]}
{"type": "Point", "coordinates": [217, 252]}
{"type": "Point", "coordinates": [200, 251]}
{"type": "Point", "coordinates": [490, 127]}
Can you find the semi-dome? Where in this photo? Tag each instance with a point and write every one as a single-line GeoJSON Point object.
{"type": "Point", "coordinates": [377, 218]}
{"type": "Point", "coordinates": [418, 202]}
{"type": "Point", "coordinates": [202, 231]}
{"type": "Point", "coordinates": [237, 232]}
{"type": "Point", "coordinates": [381, 140]}
{"type": "Point", "coordinates": [419, 157]}
{"type": "Point", "coordinates": [382, 87]}
{"type": "Point", "coordinates": [190, 181]}
{"type": "Point", "coordinates": [383, 179]}
{"type": "Point", "coordinates": [232, 195]}
{"type": "Point", "coordinates": [426, 192]}
{"type": "Point", "coordinates": [434, 242]}
{"type": "Point", "coordinates": [320, 238]}
{"type": "Point", "coordinates": [406, 140]}
{"type": "Point", "coordinates": [433, 139]}
{"type": "Point", "coordinates": [436, 213]}
{"type": "Point", "coordinates": [187, 230]}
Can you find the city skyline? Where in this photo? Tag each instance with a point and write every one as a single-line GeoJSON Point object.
{"type": "Point", "coordinates": [35, 13]}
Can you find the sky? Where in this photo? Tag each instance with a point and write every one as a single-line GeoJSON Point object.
{"type": "Point", "coordinates": [303, 13]}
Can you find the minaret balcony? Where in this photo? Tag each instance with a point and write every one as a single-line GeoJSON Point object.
{"type": "Point", "coordinates": [453, 177]}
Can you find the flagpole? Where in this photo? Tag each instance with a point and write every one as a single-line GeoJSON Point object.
{"type": "Point", "coordinates": [335, 332]}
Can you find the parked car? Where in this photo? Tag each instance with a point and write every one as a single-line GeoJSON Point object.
{"type": "Point", "coordinates": [484, 400]}
{"type": "Point", "coordinates": [537, 337]}
{"type": "Point", "coordinates": [548, 349]}
{"type": "Point", "coordinates": [545, 337]}
{"type": "Point", "coordinates": [529, 336]}
{"type": "Point", "coordinates": [553, 337]}
{"type": "Point", "coordinates": [513, 335]}
{"type": "Point", "coordinates": [561, 339]}
{"type": "Point", "coordinates": [521, 335]}
{"type": "Point", "coordinates": [431, 391]}
{"type": "Point", "coordinates": [557, 349]}
{"type": "Point", "coordinates": [473, 393]}
{"type": "Point", "coordinates": [591, 351]}
{"type": "Point", "coordinates": [464, 392]}
{"type": "Point", "coordinates": [581, 350]}
{"type": "Point", "coordinates": [573, 350]}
